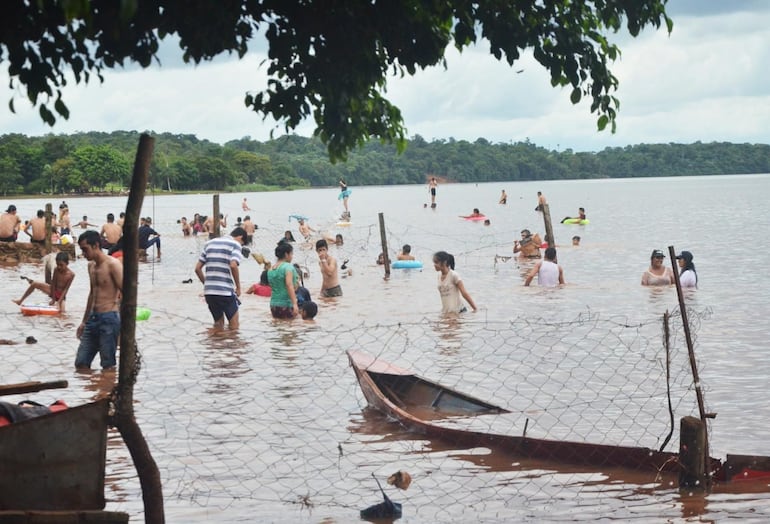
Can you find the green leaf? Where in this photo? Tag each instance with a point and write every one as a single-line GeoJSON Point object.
{"type": "Point", "coordinates": [61, 108]}
{"type": "Point", "coordinates": [575, 96]}
{"type": "Point", "coordinates": [602, 122]}
{"type": "Point", "coordinates": [47, 116]}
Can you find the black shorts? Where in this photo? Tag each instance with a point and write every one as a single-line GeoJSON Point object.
{"type": "Point", "coordinates": [282, 312]}
{"type": "Point", "coordinates": [220, 305]}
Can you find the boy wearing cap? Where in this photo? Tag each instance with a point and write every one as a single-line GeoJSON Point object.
{"type": "Point", "coordinates": [657, 274]}
{"type": "Point", "coordinates": [9, 225]}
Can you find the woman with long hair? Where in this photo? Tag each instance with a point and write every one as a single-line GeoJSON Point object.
{"type": "Point", "coordinates": [283, 281]}
{"type": "Point", "coordinates": [450, 285]}
{"type": "Point", "coordinates": [687, 275]}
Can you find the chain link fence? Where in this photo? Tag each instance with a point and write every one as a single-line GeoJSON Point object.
{"type": "Point", "coordinates": [270, 424]}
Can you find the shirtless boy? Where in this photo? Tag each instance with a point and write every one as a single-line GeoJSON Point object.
{"type": "Point", "coordinates": [98, 332]}
{"type": "Point", "coordinates": [330, 287]}
{"type": "Point", "coordinates": [305, 230]}
{"type": "Point", "coordinates": [83, 224]}
{"type": "Point", "coordinates": [406, 253]}
{"type": "Point", "coordinates": [60, 283]}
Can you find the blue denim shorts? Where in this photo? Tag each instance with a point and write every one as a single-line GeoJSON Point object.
{"type": "Point", "coordinates": [221, 305]}
{"type": "Point", "coordinates": [99, 336]}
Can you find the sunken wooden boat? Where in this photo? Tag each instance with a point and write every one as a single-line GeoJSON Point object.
{"type": "Point", "coordinates": [54, 461]}
{"type": "Point", "coordinates": [417, 402]}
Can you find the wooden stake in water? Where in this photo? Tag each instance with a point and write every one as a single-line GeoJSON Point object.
{"type": "Point", "coordinates": [215, 222]}
{"type": "Point", "coordinates": [693, 365]}
{"type": "Point", "coordinates": [548, 226]}
{"type": "Point", "coordinates": [384, 241]}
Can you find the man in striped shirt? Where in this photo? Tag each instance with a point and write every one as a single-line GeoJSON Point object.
{"type": "Point", "coordinates": [220, 259]}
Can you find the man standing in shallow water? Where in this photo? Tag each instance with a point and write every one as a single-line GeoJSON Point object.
{"type": "Point", "coordinates": [221, 259]}
{"type": "Point", "coordinates": [98, 332]}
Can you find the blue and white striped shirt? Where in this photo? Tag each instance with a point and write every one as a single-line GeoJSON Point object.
{"type": "Point", "coordinates": [216, 257]}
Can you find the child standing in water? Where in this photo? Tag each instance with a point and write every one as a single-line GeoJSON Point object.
{"type": "Point", "coordinates": [432, 185]}
{"type": "Point", "coordinates": [450, 285]}
{"type": "Point", "coordinates": [344, 195]}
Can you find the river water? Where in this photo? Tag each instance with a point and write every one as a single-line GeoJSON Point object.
{"type": "Point", "coordinates": [269, 424]}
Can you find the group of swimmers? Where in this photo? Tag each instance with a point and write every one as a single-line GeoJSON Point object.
{"type": "Point", "coordinates": [11, 225]}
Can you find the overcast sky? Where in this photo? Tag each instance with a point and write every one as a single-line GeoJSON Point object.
{"type": "Point", "coordinates": [708, 81]}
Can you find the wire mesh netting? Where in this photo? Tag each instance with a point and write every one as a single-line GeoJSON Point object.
{"type": "Point", "coordinates": [265, 424]}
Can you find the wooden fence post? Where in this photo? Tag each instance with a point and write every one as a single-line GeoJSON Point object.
{"type": "Point", "coordinates": [548, 226]}
{"type": "Point", "coordinates": [48, 226]}
{"type": "Point", "coordinates": [692, 456]}
{"type": "Point", "coordinates": [215, 233]}
{"type": "Point", "coordinates": [384, 241]}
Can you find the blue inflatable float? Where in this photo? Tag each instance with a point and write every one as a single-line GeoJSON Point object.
{"type": "Point", "coordinates": [406, 264]}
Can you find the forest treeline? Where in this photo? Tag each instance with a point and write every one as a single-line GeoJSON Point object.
{"type": "Point", "coordinates": [96, 162]}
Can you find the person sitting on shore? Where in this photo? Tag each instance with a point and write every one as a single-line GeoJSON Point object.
{"type": "Point", "coordinates": [406, 253]}
{"type": "Point", "coordinates": [57, 289]}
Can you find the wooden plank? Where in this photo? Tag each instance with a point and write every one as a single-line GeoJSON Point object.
{"type": "Point", "coordinates": [59, 517]}
{"type": "Point", "coordinates": [31, 387]}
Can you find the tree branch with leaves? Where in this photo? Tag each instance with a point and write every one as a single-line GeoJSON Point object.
{"type": "Point", "coordinates": [329, 61]}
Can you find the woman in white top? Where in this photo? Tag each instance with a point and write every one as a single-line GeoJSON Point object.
{"type": "Point", "coordinates": [657, 274]}
{"type": "Point", "coordinates": [450, 285]}
{"type": "Point", "coordinates": [687, 275]}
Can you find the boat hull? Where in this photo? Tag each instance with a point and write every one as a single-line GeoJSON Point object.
{"type": "Point", "coordinates": [576, 453]}
{"type": "Point", "coordinates": [55, 461]}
